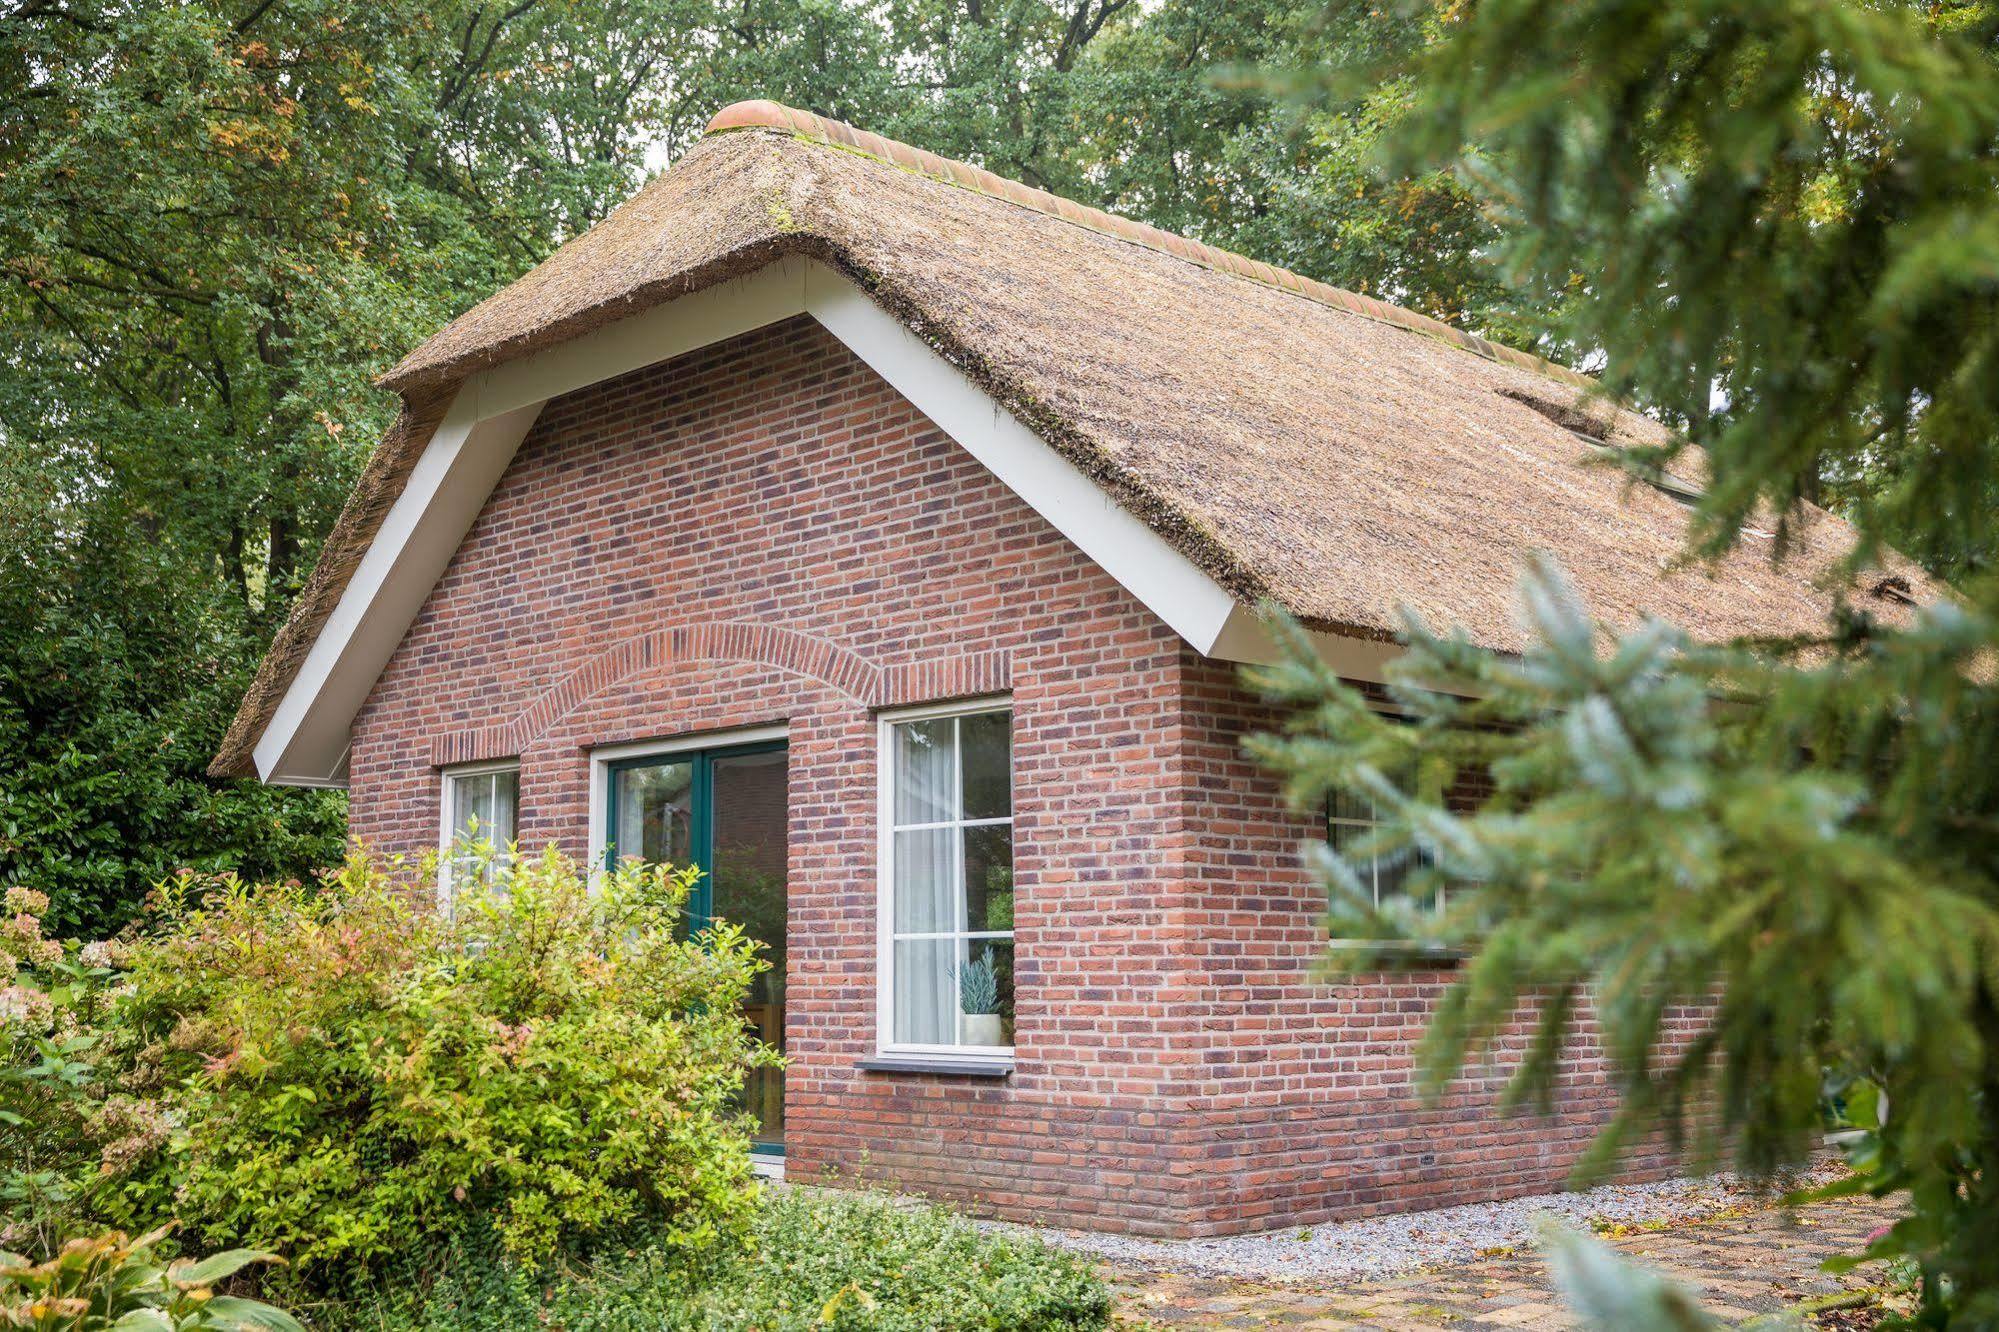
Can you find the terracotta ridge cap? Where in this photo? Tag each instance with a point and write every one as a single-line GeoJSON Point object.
{"type": "Point", "coordinates": [762, 114]}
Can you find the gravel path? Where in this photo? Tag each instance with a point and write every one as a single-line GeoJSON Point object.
{"type": "Point", "coordinates": [1390, 1245]}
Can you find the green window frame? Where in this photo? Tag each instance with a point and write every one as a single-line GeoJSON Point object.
{"type": "Point", "coordinates": [700, 812]}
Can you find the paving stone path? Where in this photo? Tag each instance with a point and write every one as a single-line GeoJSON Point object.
{"type": "Point", "coordinates": [1758, 1262]}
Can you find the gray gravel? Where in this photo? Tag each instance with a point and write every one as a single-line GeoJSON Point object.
{"type": "Point", "coordinates": [1389, 1245]}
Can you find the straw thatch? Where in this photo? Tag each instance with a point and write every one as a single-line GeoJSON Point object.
{"type": "Point", "coordinates": [1334, 454]}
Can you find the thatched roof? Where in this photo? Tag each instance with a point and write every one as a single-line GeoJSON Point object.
{"type": "Point", "coordinates": [1337, 455]}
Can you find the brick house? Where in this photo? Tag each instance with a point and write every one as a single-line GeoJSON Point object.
{"type": "Point", "coordinates": [885, 537]}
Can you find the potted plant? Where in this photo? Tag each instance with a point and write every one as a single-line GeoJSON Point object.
{"type": "Point", "coordinates": [978, 997]}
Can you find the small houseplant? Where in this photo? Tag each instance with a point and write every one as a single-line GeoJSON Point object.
{"type": "Point", "coordinates": [978, 997]}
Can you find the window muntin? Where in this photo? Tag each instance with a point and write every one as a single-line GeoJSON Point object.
{"type": "Point", "coordinates": [947, 881]}
{"type": "Point", "coordinates": [481, 810]}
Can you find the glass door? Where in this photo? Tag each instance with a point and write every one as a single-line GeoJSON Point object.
{"type": "Point", "coordinates": [724, 810]}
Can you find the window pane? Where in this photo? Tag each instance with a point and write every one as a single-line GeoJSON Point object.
{"type": "Point", "coordinates": [747, 795]}
{"type": "Point", "coordinates": [985, 991]}
{"type": "Point", "coordinates": [986, 742]}
{"type": "Point", "coordinates": [482, 822]}
{"type": "Point", "coordinates": [472, 810]}
{"type": "Point", "coordinates": [506, 798]}
{"type": "Point", "coordinates": [989, 877]}
{"type": "Point", "coordinates": [925, 889]}
{"type": "Point", "coordinates": [748, 825]}
{"type": "Point", "coordinates": [1347, 805]}
{"type": "Point", "coordinates": [654, 813]}
{"type": "Point", "coordinates": [1391, 875]}
{"type": "Point", "coordinates": [926, 1006]}
{"type": "Point", "coordinates": [924, 757]}
{"type": "Point", "coordinates": [1344, 837]}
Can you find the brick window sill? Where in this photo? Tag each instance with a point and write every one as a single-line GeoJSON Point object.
{"type": "Point", "coordinates": [958, 1068]}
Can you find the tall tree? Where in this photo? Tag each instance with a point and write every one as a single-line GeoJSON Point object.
{"type": "Point", "coordinates": [219, 219]}
{"type": "Point", "coordinates": [1778, 218]}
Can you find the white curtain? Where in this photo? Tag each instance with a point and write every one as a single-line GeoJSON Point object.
{"type": "Point", "coordinates": [926, 1000]}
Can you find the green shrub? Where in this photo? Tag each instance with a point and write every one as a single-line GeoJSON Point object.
{"type": "Point", "coordinates": [814, 1261]}
{"type": "Point", "coordinates": [520, 1113]}
{"type": "Point", "coordinates": [350, 1075]}
{"type": "Point", "coordinates": [109, 1283]}
{"type": "Point", "coordinates": [51, 1002]}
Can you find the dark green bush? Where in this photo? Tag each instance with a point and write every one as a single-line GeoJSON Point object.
{"type": "Point", "coordinates": [116, 681]}
{"type": "Point", "coordinates": [815, 1260]}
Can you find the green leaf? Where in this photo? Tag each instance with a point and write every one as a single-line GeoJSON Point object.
{"type": "Point", "coordinates": [849, 1294]}
{"type": "Point", "coordinates": [216, 1266]}
{"type": "Point", "coordinates": [234, 1311]}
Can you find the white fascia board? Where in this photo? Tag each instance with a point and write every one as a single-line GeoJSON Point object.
{"type": "Point", "coordinates": [701, 319]}
{"type": "Point", "coordinates": [1246, 638]}
{"type": "Point", "coordinates": [306, 741]}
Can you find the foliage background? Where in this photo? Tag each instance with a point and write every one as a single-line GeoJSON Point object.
{"type": "Point", "coordinates": [221, 218]}
{"type": "Point", "coordinates": [1786, 211]}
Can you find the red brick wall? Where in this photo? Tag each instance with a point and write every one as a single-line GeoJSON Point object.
{"type": "Point", "coordinates": [775, 484]}
{"type": "Point", "coordinates": [1309, 1095]}
{"type": "Point", "coordinates": [764, 531]}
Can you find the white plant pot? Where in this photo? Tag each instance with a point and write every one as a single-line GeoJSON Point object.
{"type": "Point", "coordinates": [983, 1029]}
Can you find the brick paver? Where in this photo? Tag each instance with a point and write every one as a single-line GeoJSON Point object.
{"type": "Point", "coordinates": [1758, 1262]}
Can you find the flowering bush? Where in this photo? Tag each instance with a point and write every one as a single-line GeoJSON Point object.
{"type": "Point", "coordinates": [50, 1005]}
{"type": "Point", "coordinates": [342, 1073]}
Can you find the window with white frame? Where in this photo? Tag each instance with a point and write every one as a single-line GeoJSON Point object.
{"type": "Point", "coordinates": [1350, 821]}
{"type": "Point", "coordinates": [947, 880]}
{"type": "Point", "coordinates": [480, 806]}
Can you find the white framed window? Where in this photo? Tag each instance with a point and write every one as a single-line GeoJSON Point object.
{"type": "Point", "coordinates": [1350, 820]}
{"type": "Point", "coordinates": [946, 881]}
{"type": "Point", "coordinates": [480, 805]}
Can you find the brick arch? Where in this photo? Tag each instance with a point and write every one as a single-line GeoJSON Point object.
{"type": "Point", "coordinates": [842, 669]}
